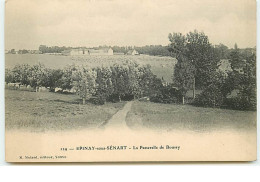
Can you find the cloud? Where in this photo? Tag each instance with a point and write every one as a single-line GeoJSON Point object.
{"type": "Point", "coordinates": [30, 23]}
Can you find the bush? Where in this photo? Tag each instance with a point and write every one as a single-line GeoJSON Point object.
{"type": "Point", "coordinates": [97, 100]}
{"type": "Point", "coordinates": [240, 103]}
{"type": "Point", "coordinates": [167, 95]}
{"type": "Point", "coordinates": [210, 97]}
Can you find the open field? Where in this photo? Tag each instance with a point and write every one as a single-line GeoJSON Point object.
{"type": "Point", "coordinates": [42, 111]}
{"type": "Point", "coordinates": [168, 117]}
{"type": "Point", "coordinates": [161, 66]}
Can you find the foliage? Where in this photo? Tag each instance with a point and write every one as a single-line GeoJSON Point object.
{"type": "Point", "coordinates": [37, 76]}
{"type": "Point", "coordinates": [195, 49]}
{"type": "Point", "coordinates": [83, 81]}
{"type": "Point", "coordinates": [222, 50]}
{"type": "Point", "coordinates": [183, 75]}
{"type": "Point", "coordinates": [21, 73]}
{"type": "Point", "coordinates": [53, 49]}
{"type": "Point", "coordinates": [240, 103]}
{"type": "Point", "coordinates": [9, 78]}
{"type": "Point", "coordinates": [148, 82]}
{"type": "Point", "coordinates": [154, 50]}
{"type": "Point", "coordinates": [53, 78]}
{"type": "Point", "coordinates": [243, 78]}
{"type": "Point", "coordinates": [66, 81]}
{"type": "Point", "coordinates": [210, 97]}
{"type": "Point", "coordinates": [23, 51]}
{"type": "Point", "coordinates": [168, 94]}
{"type": "Point", "coordinates": [214, 94]}
{"type": "Point", "coordinates": [104, 86]}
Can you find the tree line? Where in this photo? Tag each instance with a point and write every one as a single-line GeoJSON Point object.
{"type": "Point", "coordinates": [113, 83]}
{"type": "Point", "coordinates": [153, 50]}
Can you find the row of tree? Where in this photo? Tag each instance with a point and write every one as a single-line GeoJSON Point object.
{"type": "Point", "coordinates": [52, 49]}
{"type": "Point", "coordinates": [153, 50]}
{"type": "Point", "coordinates": [113, 83]}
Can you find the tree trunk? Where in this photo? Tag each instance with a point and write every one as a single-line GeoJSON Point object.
{"type": "Point", "coordinates": [119, 98]}
{"type": "Point", "coordinates": [194, 94]}
{"type": "Point", "coordinates": [83, 100]}
{"type": "Point", "coordinates": [183, 101]}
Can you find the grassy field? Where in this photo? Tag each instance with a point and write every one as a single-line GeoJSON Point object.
{"type": "Point", "coordinates": [52, 111]}
{"type": "Point", "coordinates": [161, 66]}
{"type": "Point", "coordinates": [168, 117]}
{"type": "Point", "coordinates": [45, 111]}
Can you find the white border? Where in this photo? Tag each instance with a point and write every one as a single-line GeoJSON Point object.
{"type": "Point", "coordinates": [101, 171]}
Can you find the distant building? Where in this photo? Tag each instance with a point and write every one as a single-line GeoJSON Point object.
{"type": "Point", "coordinates": [104, 51]}
{"type": "Point", "coordinates": [73, 52]}
{"type": "Point", "coordinates": [132, 52]}
{"type": "Point", "coordinates": [81, 51]}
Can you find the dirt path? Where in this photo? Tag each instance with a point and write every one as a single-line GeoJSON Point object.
{"type": "Point", "coordinates": [118, 120]}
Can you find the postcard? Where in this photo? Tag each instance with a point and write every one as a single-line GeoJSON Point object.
{"type": "Point", "coordinates": [130, 81]}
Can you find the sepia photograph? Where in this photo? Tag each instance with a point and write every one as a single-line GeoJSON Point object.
{"type": "Point", "coordinates": [130, 80]}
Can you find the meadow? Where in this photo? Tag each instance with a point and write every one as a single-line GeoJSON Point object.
{"type": "Point", "coordinates": [173, 117]}
{"type": "Point", "coordinates": [160, 66]}
{"type": "Point", "coordinates": [48, 111]}
{"type": "Point", "coordinates": [44, 111]}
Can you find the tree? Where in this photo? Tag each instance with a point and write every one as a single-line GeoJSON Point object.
{"type": "Point", "coordinates": [119, 80]}
{"type": "Point", "coordinates": [12, 51]}
{"type": "Point", "coordinates": [214, 94]}
{"type": "Point", "coordinates": [24, 51]}
{"type": "Point", "coordinates": [9, 76]}
{"type": "Point", "coordinates": [196, 48]}
{"type": "Point", "coordinates": [184, 70]}
{"type": "Point", "coordinates": [66, 81]}
{"type": "Point", "coordinates": [43, 48]}
{"type": "Point", "coordinates": [203, 56]}
{"type": "Point", "coordinates": [84, 82]}
{"type": "Point", "coordinates": [243, 77]}
{"type": "Point", "coordinates": [37, 76]}
{"type": "Point", "coordinates": [53, 78]}
{"type": "Point", "coordinates": [21, 73]}
{"type": "Point", "coordinates": [197, 60]}
{"type": "Point", "coordinates": [184, 73]}
{"type": "Point", "coordinates": [148, 82]}
{"type": "Point", "coordinates": [222, 51]}
{"type": "Point", "coordinates": [133, 81]}
{"type": "Point", "coordinates": [104, 86]}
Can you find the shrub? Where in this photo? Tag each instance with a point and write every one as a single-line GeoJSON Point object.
{"type": "Point", "coordinates": [240, 103]}
{"type": "Point", "coordinates": [210, 97]}
{"type": "Point", "coordinates": [167, 94]}
{"type": "Point", "coordinates": [97, 100]}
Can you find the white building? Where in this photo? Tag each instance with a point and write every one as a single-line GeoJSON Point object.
{"type": "Point", "coordinates": [77, 52]}
{"type": "Point", "coordinates": [132, 52]}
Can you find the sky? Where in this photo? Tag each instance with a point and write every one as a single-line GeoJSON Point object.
{"type": "Point", "coordinates": [30, 23]}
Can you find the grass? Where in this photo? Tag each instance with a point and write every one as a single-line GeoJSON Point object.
{"type": "Point", "coordinates": [43, 111]}
{"type": "Point", "coordinates": [185, 117]}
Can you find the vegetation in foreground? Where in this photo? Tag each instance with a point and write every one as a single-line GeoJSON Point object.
{"type": "Point", "coordinates": [41, 111]}
{"type": "Point", "coordinates": [171, 117]}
